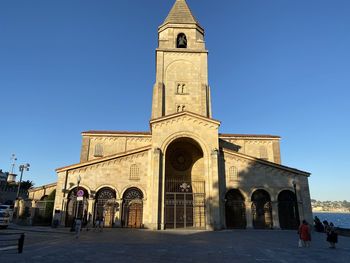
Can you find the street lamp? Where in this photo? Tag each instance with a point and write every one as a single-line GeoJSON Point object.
{"type": "Point", "coordinates": [296, 203]}
{"type": "Point", "coordinates": [22, 168]}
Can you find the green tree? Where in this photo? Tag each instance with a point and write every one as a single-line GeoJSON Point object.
{"type": "Point", "coordinates": [26, 185]}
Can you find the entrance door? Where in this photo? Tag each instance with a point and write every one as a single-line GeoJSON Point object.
{"type": "Point", "coordinates": [179, 210]}
{"type": "Point", "coordinates": [132, 208]}
{"type": "Point", "coordinates": [135, 215]}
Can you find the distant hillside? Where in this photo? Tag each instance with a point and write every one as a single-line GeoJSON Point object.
{"type": "Point", "coordinates": [330, 206]}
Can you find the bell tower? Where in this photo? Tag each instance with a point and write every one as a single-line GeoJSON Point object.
{"type": "Point", "coordinates": [181, 66]}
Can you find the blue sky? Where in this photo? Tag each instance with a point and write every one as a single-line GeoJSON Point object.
{"type": "Point", "coordinates": [279, 67]}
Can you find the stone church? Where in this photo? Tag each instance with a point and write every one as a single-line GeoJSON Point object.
{"type": "Point", "coordinates": [182, 173]}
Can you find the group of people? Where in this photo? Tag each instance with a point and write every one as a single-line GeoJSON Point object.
{"type": "Point", "coordinates": [87, 223]}
{"type": "Point", "coordinates": [304, 232]}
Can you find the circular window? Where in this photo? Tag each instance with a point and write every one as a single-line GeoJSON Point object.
{"type": "Point", "coordinates": [181, 160]}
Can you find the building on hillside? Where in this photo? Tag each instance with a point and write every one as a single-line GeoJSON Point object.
{"type": "Point", "coordinates": [182, 173]}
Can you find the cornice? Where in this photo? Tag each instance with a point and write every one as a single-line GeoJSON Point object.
{"type": "Point", "coordinates": [182, 50]}
{"type": "Point", "coordinates": [184, 113]}
{"type": "Point", "coordinates": [116, 134]}
{"type": "Point", "coordinates": [271, 164]}
{"type": "Point", "coordinates": [104, 159]}
{"type": "Point", "coordinates": [248, 136]}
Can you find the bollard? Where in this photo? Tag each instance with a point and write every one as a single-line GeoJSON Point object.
{"type": "Point", "coordinates": [20, 244]}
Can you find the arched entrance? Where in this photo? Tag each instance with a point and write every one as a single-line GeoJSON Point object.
{"type": "Point", "coordinates": [184, 185]}
{"type": "Point", "coordinates": [235, 209]}
{"type": "Point", "coordinates": [287, 210]}
{"type": "Point", "coordinates": [105, 205]}
{"type": "Point", "coordinates": [261, 210]}
{"type": "Point", "coordinates": [132, 208]}
{"type": "Point", "coordinates": [76, 208]}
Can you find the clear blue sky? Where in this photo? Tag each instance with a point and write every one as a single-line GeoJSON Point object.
{"type": "Point", "coordinates": [275, 67]}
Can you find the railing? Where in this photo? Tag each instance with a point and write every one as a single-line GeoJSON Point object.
{"type": "Point", "coordinates": [343, 231]}
{"type": "Point", "coordinates": [11, 242]}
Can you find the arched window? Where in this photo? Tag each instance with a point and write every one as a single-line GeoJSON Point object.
{"type": "Point", "coordinates": [181, 88]}
{"type": "Point", "coordinates": [180, 108]}
{"type": "Point", "coordinates": [233, 174]}
{"type": "Point", "coordinates": [181, 41]}
{"type": "Point", "coordinates": [98, 150]}
{"type": "Point", "coordinates": [134, 172]}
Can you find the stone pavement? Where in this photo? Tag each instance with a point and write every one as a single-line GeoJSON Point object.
{"type": "Point", "coordinates": [127, 245]}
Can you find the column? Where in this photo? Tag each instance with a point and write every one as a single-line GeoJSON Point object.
{"type": "Point", "coordinates": [118, 213]}
{"type": "Point", "coordinates": [248, 214]}
{"type": "Point", "coordinates": [91, 205]}
{"type": "Point", "coordinates": [275, 217]}
{"type": "Point", "coordinates": [214, 199]}
{"type": "Point", "coordinates": [63, 211]}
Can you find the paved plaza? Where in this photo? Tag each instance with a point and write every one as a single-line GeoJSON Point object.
{"type": "Point", "coordinates": [126, 245]}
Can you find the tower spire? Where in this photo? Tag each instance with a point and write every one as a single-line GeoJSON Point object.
{"type": "Point", "coordinates": [180, 14]}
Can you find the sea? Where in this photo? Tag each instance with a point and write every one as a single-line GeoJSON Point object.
{"type": "Point", "coordinates": [338, 219]}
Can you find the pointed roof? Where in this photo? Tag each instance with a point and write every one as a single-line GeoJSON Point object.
{"type": "Point", "coordinates": [180, 14]}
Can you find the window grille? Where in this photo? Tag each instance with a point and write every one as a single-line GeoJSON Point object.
{"type": "Point", "coordinates": [233, 173]}
{"type": "Point", "coordinates": [134, 172]}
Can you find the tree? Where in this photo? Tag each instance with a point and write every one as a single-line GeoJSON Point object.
{"type": "Point", "coordinates": [26, 185]}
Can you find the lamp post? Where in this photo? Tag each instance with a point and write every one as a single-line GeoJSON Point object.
{"type": "Point", "coordinates": [296, 203]}
{"type": "Point", "coordinates": [22, 168]}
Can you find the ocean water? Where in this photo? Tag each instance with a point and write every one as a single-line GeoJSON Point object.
{"type": "Point", "coordinates": [338, 219]}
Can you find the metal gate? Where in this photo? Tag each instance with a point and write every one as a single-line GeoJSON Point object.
{"type": "Point", "coordinates": [184, 204]}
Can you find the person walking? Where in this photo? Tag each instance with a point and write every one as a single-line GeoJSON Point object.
{"type": "Point", "coordinates": [332, 236]}
{"type": "Point", "coordinates": [99, 222]}
{"type": "Point", "coordinates": [77, 227]}
{"type": "Point", "coordinates": [304, 234]}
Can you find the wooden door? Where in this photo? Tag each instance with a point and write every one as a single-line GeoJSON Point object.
{"type": "Point", "coordinates": [135, 215]}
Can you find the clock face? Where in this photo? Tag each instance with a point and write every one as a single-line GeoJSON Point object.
{"type": "Point", "coordinates": [181, 160]}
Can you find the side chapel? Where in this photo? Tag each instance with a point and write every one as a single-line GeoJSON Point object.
{"type": "Point", "coordinates": [183, 173]}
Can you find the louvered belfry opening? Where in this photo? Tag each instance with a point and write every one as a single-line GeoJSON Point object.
{"type": "Point", "coordinates": [184, 185]}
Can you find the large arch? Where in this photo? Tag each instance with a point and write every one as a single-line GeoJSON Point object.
{"type": "Point", "coordinates": [184, 184]}
{"type": "Point", "coordinates": [261, 209]}
{"type": "Point", "coordinates": [132, 208]}
{"type": "Point", "coordinates": [235, 209]}
{"type": "Point", "coordinates": [287, 210]}
{"type": "Point", "coordinates": [105, 205]}
{"type": "Point", "coordinates": [75, 208]}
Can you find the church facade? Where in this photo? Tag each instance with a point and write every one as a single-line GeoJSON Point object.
{"type": "Point", "coordinates": [183, 173]}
